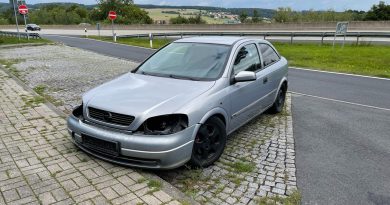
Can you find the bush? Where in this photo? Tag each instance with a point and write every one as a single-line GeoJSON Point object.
{"type": "Point", "coordinates": [191, 20]}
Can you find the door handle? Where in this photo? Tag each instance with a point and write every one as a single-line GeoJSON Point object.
{"type": "Point", "coordinates": [265, 80]}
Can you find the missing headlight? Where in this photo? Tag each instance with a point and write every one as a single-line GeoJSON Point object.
{"type": "Point", "coordinates": [78, 112]}
{"type": "Point", "coordinates": [165, 125]}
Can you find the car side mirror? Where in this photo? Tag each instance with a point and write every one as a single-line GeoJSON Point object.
{"type": "Point", "coordinates": [244, 76]}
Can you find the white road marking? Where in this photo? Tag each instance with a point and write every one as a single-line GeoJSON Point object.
{"type": "Point", "coordinates": [355, 75]}
{"type": "Point", "coordinates": [340, 101]}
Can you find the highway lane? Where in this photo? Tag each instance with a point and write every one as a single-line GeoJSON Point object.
{"type": "Point", "coordinates": [342, 149]}
{"type": "Point", "coordinates": [367, 91]}
{"type": "Point", "coordinates": [105, 48]}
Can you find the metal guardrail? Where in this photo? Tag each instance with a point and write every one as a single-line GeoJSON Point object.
{"type": "Point", "coordinates": [291, 35]}
{"type": "Point", "coordinates": [22, 34]}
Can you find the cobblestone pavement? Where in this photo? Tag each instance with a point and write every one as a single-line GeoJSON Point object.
{"type": "Point", "coordinates": [259, 159]}
{"type": "Point", "coordinates": [258, 162]}
{"type": "Point", "coordinates": [39, 165]}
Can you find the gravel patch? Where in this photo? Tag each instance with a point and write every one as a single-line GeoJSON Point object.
{"type": "Point", "coordinates": [65, 71]}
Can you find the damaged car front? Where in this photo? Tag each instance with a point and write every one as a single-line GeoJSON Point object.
{"type": "Point", "coordinates": [146, 118]}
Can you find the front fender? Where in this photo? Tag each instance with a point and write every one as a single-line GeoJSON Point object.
{"type": "Point", "coordinates": [216, 111]}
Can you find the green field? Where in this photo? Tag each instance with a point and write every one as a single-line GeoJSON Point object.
{"type": "Point", "coordinates": [14, 40]}
{"type": "Point", "coordinates": [371, 60]}
{"type": "Point", "coordinates": [363, 59]}
{"type": "Point", "coordinates": [156, 14]}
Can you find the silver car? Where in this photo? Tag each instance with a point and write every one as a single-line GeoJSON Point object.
{"type": "Point", "coordinates": [180, 104]}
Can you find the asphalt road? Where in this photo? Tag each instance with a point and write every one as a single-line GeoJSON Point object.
{"type": "Point", "coordinates": [110, 49]}
{"type": "Point", "coordinates": [341, 127]}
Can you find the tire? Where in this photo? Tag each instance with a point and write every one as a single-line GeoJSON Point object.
{"type": "Point", "coordinates": [278, 105]}
{"type": "Point", "coordinates": [210, 141]}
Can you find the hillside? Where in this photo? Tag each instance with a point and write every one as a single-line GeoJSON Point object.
{"type": "Point", "coordinates": [268, 13]}
{"type": "Point", "coordinates": [263, 12]}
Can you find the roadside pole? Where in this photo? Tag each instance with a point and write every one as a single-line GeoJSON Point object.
{"type": "Point", "coordinates": [151, 40]}
{"type": "Point", "coordinates": [113, 33]}
{"type": "Point", "coordinates": [98, 28]}
{"type": "Point", "coordinates": [112, 16]}
{"type": "Point", "coordinates": [16, 19]}
{"type": "Point", "coordinates": [25, 26]}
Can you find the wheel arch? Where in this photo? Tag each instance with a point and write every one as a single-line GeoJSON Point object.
{"type": "Point", "coordinates": [283, 84]}
{"type": "Point", "coordinates": [217, 112]}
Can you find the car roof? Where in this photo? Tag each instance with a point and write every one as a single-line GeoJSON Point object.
{"type": "Point", "coordinates": [224, 40]}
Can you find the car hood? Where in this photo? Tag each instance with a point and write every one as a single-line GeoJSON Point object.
{"type": "Point", "coordinates": [141, 95]}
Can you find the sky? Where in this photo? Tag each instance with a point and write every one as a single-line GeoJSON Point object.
{"type": "Point", "coordinates": [338, 5]}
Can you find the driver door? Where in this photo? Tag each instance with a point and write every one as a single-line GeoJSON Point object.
{"type": "Point", "coordinates": [246, 97]}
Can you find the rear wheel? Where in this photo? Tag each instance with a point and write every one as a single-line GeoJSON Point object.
{"type": "Point", "coordinates": [278, 105]}
{"type": "Point", "coordinates": [209, 143]}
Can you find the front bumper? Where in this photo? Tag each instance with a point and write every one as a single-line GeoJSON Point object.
{"type": "Point", "coordinates": [143, 151]}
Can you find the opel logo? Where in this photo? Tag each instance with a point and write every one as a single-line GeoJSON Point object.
{"type": "Point", "coordinates": [107, 116]}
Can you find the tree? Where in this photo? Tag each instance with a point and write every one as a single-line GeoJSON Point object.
{"type": "Point", "coordinates": [243, 16]}
{"type": "Point", "coordinates": [256, 16]}
{"type": "Point", "coordinates": [197, 19]}
{"type": "Point", "coordinates": [191, 20]}
{"type": "Point", "coordinates": [380, 12]}
{"type": "Point", "coordinates": [283, 14]}
{"type": "Point", "coordinates": [128, 13]}
{"type": "Point", "coordinates": [179, 20]}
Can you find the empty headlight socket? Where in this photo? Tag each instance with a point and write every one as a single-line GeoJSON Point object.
{"type": "Point", "coordinates": [165, 124]}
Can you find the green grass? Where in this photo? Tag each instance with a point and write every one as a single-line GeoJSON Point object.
{"type": "Point", "coordinates": [292, 199]}
{"type": "Point", "coordinates": [142, 42]}
{"type": "Point", "coordinates": [240, 166]}
{"type": "Point", "coordinates": [155, 184]}
{"type": "Point", "coordinates": [371, 60]}
{"type": "Point", "coordinates": [14, 40]}
{"type": "Point", "coordinates": [243, 166]}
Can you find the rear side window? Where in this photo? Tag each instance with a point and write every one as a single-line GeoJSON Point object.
{"type": "Point", "coordinates": [269, 55]}
{"type": "Point", "coordinates": [247, 59]}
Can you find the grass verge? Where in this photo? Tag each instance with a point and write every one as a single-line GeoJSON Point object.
{"type": "Point", "coordinates": [371, 60]}
{"type": "Point", "coordinates": [142, 42]}
{"type": "Point", "coordinates": [6, 40]}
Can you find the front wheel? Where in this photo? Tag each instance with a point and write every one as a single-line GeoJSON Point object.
{"type": "Point", "coordinates": [278, 105]}
{"type": "Point", "coordinates": [209, 143]}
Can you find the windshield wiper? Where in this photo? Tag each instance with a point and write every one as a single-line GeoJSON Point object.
{"type": "Point", "coordinates": [181, 77]}
{"type": "Point", "coordinates": [151, 74]}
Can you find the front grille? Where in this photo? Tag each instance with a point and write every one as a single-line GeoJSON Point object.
{"type": "Point", "coordinates": [107, 147]}
{"type": "Point", "coordinates": [110, 117]}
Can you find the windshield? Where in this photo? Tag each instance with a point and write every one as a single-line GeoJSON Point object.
{"type": "Point", "coordinates": [194, 61]}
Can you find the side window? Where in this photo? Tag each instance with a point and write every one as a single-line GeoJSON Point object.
{"type": "Point", "coordinates": [269, 54]}
{"type": "Point", "coordinates": [247, 59]}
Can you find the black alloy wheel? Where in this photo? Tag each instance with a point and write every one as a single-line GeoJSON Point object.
{"type": "Point", "coordinates": [209, 143]}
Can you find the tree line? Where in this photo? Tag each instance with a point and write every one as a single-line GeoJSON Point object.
{"type": "Point", "coordinates": [129, 13]}
{"type": "Point", "coordinates": [67, 14]}
{"type": "Point", "coordinates": [380, 12]}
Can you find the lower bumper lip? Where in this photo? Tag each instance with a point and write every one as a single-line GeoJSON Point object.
{"type": "Point", "coordinates": [143, 151]}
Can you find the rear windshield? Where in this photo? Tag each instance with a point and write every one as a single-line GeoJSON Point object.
{"type": "Point", "coordinates": [194, 61]}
